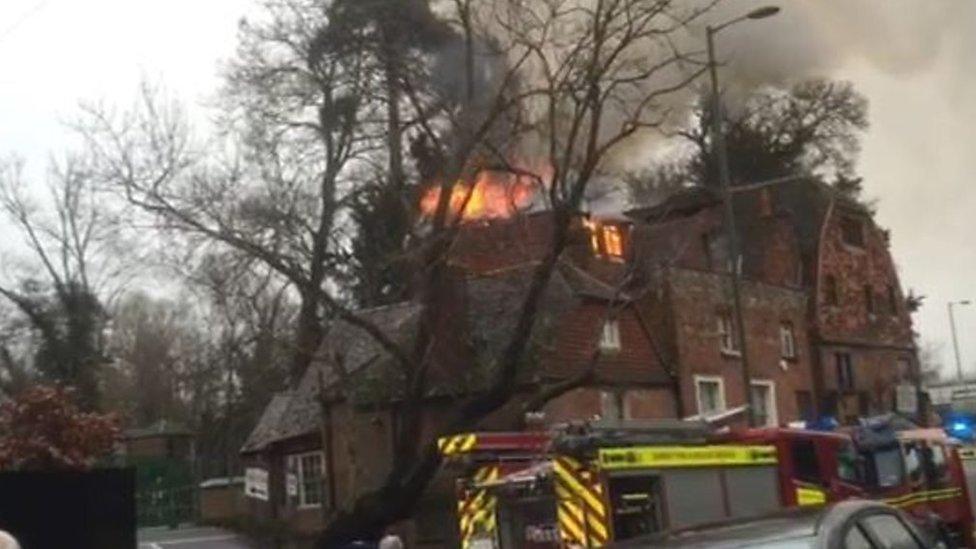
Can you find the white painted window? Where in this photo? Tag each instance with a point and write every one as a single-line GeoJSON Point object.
{"type": "Point", "coordinates": [610, 405]}
{"type": "Point", "coordinates": [308, 470]}
{"type": "Point", "coordinates": [762, 397]}
{"type": "Point", "coordinates": [710, 394]}
{"type": "Point", "coordinates": [728, 342]}
{"type": "Point", "coordinates": [610, 336]}
{"type": "Point", "coordinates": [787, 340]}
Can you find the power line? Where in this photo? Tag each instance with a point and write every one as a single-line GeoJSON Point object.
{"type": "Point", "coordinates": [23, 19]}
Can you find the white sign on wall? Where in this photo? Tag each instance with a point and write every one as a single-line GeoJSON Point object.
{"type": "Point", "coordinates": [256, 483]}
{"type": "Point", "coordinates": [906, 399]}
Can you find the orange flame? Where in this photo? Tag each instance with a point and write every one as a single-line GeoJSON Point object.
{"type": "Point", "coordinates": [494, 195]}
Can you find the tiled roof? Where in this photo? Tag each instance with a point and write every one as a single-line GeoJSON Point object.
{"type": "Point", "coordinates": [492, 306]}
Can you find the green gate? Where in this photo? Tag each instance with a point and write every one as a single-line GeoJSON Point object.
{"type": "Point", "coordinates": [166, 494]}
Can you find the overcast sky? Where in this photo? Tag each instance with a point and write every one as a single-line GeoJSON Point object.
{"type": "Point", "coordinates": [917, 74]}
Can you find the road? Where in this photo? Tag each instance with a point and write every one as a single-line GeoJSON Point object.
{"type": "Point", "coordinates": [191, 538]}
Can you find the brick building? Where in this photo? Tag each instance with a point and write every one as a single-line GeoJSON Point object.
{"type": "Point", "coordinates": [826, 330]}
{"type": "Point", "coordinates": [818, 276]}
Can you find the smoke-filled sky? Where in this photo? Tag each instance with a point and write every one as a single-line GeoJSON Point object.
{"type": "Point", "coordinates": [915, 60]}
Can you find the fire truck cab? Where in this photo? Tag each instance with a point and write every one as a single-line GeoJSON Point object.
{"type": "Point", "coordinates": [919, 471]}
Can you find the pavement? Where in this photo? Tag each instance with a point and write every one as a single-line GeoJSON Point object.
{"type": "Point", "coordinates": [192, 537]}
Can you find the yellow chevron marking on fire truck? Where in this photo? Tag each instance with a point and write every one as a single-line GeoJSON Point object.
{"type": "Point", "coordinates": [476, 512]}
{"type": "Point", "coordinates": [456, 444]}
{"type": "Point", "coordinates": [564, 470]}
{"type": "Point", "coordinates": [581, 513]}
{"type": "Point", "coordinates": [642, 457]}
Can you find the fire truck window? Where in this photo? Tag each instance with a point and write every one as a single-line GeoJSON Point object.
{"type": "Point", "coordinates": [847, 463]}
{"type": "Point", "coordinates": [805, 466]}
{"type": "Point", "coordinates": [888, 467]}
{"type": "Point", "coordinates": [938, 468]}
{"type": "Point", "coordinates": [890, 532]}
{"type": "Point", "coordinates": [913, 463]}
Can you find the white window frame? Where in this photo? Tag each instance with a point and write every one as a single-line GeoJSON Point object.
{"type": "Point", "coordinates": [772, 414]}
{"type": "Point", "coordinates": [293, 465]}
{"type": "Point", "coordinates": [699, 379]}
{"type": "Point", "coordinates": [787, 340]}
{"type": "Point", "coordinates": [610, 335]}
{"type": "Point", "coordinates": [728, 342]}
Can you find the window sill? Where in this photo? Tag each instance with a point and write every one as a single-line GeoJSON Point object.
{"type": "Point", "coordinates": [731, 354]}
{"type": "Point", "coordinates": [791, 359]}
{"type": "Point", "coordinates": [309, 506]}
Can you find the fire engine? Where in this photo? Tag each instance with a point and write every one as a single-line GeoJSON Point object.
{"type": "Point", "coordinates": [586, 484]}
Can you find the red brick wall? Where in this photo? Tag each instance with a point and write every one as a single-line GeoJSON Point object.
{"type": "Point", "coordinates": [577, 335]}
{"type": "Point", "coordinates": [632, 403]}
{"type": "Point", "coordinates": [696, 298]}
{"type": "Point", "coordinates": [854, 267]}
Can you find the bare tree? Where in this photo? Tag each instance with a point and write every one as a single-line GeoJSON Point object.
{"type": "Point", "coordinates": [561, 84]}
{"type": "Point", "coordinates": [70, 274]}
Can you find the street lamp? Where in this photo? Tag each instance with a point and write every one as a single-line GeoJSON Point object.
{"type": "Point", "coordinates": [718, 143]}
{"type": "Point", "coordinates": [955, 341]}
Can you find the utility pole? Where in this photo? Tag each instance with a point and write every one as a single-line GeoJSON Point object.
{"type": "Point", "coordinates": [955, 340]}
{"type": "Point", "coordinates": [721, 158]}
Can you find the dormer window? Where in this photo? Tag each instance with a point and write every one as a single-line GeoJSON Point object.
{"type": "Point", "coordinates": [852, 231]}
{"type": "Point", "coordinates": [606, 240]}
{"type": "Point", "coordinates": [613, 241]}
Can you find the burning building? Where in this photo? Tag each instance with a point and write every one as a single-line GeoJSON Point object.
{"type": "Point", "coordinates": [825, 321]}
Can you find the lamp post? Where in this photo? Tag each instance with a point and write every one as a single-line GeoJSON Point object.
{"type": "Point", "coordinates": [955, 341]}
{"type": "Point", "coordinates": [718, 144]}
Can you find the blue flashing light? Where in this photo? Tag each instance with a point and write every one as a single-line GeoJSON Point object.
{"type": "Point", "coordinates": [823, 423]}
{"type": "Point", "coordinates": [959, 426]}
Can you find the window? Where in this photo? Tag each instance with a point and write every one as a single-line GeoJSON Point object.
{"type": "Point", "coordinates": [716, 247]}
{"type": "Point", "coordinates": [845, 371]}
{"type": "Point", "coordinates": [830, 290]}
{"type": "Point", "coordinates": [610, 336]}
{"type": "Point", "coordinates": [613, 241]}
{"type": "Point", "coordinates": [892, 300]}
{"type": "Point", "coordinates": [890, 532]}
{"type": "Point", "coordinates": [804, 405]}
{"type": "Point", "coordinates": [728, 342]}
{"type": "Point", "coordinates": [852, 231]}
{"type": "Point", "coordinates": [610, 407]}
{"type": "Point", "coordinates": [765, 203]}
{"type": "Point", "coordinates": [787, 340]}
{"type": "Point", "coordinates": [710, 392]}
{"type": "Point", "coordinates": [847, 463]}
{"type": "Point", "coordinates": [935, 461]}
{"type": "Point", "coordinates": [888, 470]}
{"type": "Point", "coordinates": [308, 472]}
{"type": "Point", "coordinates": [805, 465]}
{"type": "Point", "coordinates": [913, 463]}
{"type": "Point", "coordinates": [869, 298]}
{"type": "Point", "coordinates": [762, 398]}
{"type": "Point", "coordinates": [855, 539]}
{"type": "Point", "coordinates": [707, 250]}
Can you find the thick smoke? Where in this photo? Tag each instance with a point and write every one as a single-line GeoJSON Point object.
{"type": "Point", "coordinates": [823, 39]}
{"type": "Point", "coordinates": [819, 38]}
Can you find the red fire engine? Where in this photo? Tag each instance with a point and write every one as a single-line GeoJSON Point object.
{"type": "Point", "coordinates": [918, 470]}
{"type": "Point", "coordinates": [585, 485]}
